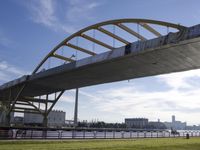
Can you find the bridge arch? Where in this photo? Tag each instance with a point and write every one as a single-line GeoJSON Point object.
{"type": "Point", "coordinates": [120, 23]}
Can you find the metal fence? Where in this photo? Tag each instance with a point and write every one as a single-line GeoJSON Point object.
{"type": "Point", "coordinates": [83, 133]}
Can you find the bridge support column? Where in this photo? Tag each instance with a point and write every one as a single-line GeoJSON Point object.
{"type": "Point", "coordinates": [76, 110]}
{"type": "Point", "coordinates": [45, 123]}
{"type": "Point", "coordinates": [45, 118]}
{"type": "Point", "coordinates": [5, 119]}
{"type": "Point", "coordinates": [5, 114]}
{"type": "Point", "coordinates": [75, 115]}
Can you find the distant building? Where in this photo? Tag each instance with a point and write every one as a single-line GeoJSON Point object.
{"type": "Point", "coordinates": [33, 119]}
{"type": "Point", "coordinates": [18, 121]}
{"type": "Point", "coordinates": [156, 125]}
{"type": "Point", "coordinates": [173, 119]}
{"type": "Point", "coordinates": [193, 127]}
{"type": "Point", "coordinates": [136, 122]}
{"type": "Point", "coordinates": [56, 118]}
{"type": "Point", "coordinates": [69, 123]}
{"type": "Point", "coordinates": [178, 125]}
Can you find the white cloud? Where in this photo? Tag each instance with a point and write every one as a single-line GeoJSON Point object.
{"type": "Point", "coordinates": [9, 72]}
{"type": "Point", "coordinates": [44, 12]}
{"type": "Point", "coordinates": [67, 97]}
{"type": "Point", "coordinates": [179, 80]}
{"type": "Point", "coordinates": [128, 101]}
{"type": "Point", "coordinates": [80, 10]}
{"type": "Point", "coordinates": [49, 14]}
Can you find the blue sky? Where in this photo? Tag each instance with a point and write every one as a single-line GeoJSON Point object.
{"type": "Point", "coordinates": [30, 29]}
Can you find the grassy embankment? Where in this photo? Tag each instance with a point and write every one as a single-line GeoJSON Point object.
{"type": "Point", "coordinates": [126, 144]}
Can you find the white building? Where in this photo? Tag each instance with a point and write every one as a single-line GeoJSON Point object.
{"type": "Point", "coordinates": [136, 122]}
{"type": "Point", "coordinates": [178, 125]}
{"type": "Point", "coordinates": [56, 118]}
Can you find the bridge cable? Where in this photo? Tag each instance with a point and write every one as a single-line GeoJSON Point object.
{"type": "Point", "coordinates": [113, 37]}
{"type": "Point", "coordinates": [62, 54]}
{"type": "Point", "coordinates": [167, 29]}
{"type": "Point", "coordinates": [77, 44]}
{"type": "Point", "coordinates": [93, 43]}
{"type": "Point", "coordinates": [138, 30]}
{"type": "Point", "coordinates": [49, 63]}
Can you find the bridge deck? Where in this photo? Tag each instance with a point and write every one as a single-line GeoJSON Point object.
{"type": "Point", "coordinates": [171, 53]}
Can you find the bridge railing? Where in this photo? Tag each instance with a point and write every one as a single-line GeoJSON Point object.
{"type": "Point", "coordinates": [88, 133]}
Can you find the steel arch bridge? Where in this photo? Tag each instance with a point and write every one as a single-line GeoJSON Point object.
{"type": "Point", "coordinates": [129, 48]}
{"type": "Point", "coordinates": [99, 27]}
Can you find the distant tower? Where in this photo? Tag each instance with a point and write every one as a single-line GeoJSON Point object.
{"type": "Point", "coordinates": [173, 118]}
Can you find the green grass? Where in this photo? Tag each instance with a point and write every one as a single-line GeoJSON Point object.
{"type": "Point", "coordinates": [127, 144]}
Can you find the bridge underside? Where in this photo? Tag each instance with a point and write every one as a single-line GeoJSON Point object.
{"type": "Point", "coordinates": [172, 53]}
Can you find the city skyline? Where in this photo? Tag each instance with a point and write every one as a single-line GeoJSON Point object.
{"type": "Point", "coordinates": [33, 28]}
